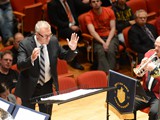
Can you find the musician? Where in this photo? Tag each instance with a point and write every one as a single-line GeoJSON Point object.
{"type": "Point", "coordinates": [151, 82]}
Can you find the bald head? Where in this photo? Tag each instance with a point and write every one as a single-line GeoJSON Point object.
{"type": "Point", "coordinates": [157, 46]}
{"type": "Point", "coordinates": [158, 39]}
{"type": "Point", "coordinates": [18, 37]}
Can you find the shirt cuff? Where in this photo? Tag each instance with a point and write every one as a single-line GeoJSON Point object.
{"type": "Point", "coordinates": [71, 24]}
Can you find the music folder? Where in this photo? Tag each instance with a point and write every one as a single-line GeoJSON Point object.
{"type": "Point", "coordinates": [140, 93]}
{"type": "Point", "coordinates": [6, 105]}
{"type": "Point", "coordinates": [24, 113]}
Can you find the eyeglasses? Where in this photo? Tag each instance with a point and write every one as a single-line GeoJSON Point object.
{"type": "Point", "coordinates": [8, 60]}
{"type": "Point", "coordinates": [94, 1]}
{"type": "Point", "coordinates": [142, 17]}
{"type": "Point", "coordinates": [18, 41]}
{"type": "Point", "coordinates": [45, 36]}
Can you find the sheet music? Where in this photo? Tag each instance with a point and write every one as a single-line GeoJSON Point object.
{"type": "Point", "coordinates": [4, 105]}
{"type": "Point", "coordinates": [70, 95]}
{"type": "Point", "coordinates": [24, 114]}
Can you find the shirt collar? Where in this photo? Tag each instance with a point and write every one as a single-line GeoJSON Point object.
{"type": "Point", "coordinates": [37, 43]}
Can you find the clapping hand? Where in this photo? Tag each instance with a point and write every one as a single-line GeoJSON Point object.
{"type": "Point", "coordinates": [72, 43]}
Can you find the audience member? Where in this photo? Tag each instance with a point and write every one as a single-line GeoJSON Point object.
{"type": "Point", "coordinates": [105, 3]}
{"type": "Point", "coordinates": [7, 75]}
{"type": "Point", "coordinates": [101, 25]}
{"type": "Point", "coordinates": [6, 22]}
{"type": "Point", "coordinates": [18, 37]}
{"type": "Point", "coordinates": [151, 83]}
{"type": "Point", "coordinates": [141, 35]}
{"type": "Point", "coordinates": [37, 62]}
{"type": "Point", "coordinates": [5, 93]}
{"type": "Point", "coordinates": [64, 15]}
{"type": "Point", "coordinates": [124, 17]}
{"type": "Point", "coordinates": [157, 23]}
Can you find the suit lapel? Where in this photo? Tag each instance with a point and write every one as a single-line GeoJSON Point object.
{"type": "Point", "coordinates": [49, 48]}
{"type": "Point", "coordinates": [33, 45]}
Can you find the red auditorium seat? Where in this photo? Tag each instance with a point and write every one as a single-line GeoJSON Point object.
{"type": "Point", "coordinates": [92, 79]}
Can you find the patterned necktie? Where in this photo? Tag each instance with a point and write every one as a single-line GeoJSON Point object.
{"type": "Point", "coordinates": [68, 11]}
{"type": "Point", "coordinates": [148, 32]}
{"type": "Point", "coordinates": [42, 66]}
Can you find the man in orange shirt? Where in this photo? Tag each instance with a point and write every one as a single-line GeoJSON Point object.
{"type": "Point", "coordinates": [101, 25]}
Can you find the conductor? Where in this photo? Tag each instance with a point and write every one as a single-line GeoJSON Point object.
{"type": "Point", "coordinates": [37, 62]}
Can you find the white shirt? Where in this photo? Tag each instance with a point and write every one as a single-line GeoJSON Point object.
{"type": "Point", "coordinates": [47, 62]}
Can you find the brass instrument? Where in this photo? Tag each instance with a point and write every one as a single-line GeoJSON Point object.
{"type": "Point", "coordinates": [140, 71]}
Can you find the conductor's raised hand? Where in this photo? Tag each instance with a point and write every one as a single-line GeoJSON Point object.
{"type": "Point", "coordinates": [72, 43]}
{"type": "Point", "coordinates": [35, 54]}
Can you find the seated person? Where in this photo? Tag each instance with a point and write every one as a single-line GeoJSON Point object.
{"type": "Point", "coordinates": [6, 22]}
{"type": "Point", "coordinates": [151, 83]}
{"type": "Point", "coordinates": [64, 15]}
{"type": "Point", "coordinates": [124, 17]}
{"type": "Point", "coordinates": [7, 75]}
{"type": "Point", "coordinates": [18, 37]}
{"type": "Point", "coordinates": [142, 35]}
{"type": "Point", "coordinates": [101, 25]}
{"type": "Point", "coordinates": [5, 93]}
{"type": "Point", "coordinates": [105, 3]}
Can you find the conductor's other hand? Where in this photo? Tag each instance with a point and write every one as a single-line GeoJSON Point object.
{"type": "Point", "coordinates": [35, 54]}
{"type": "Point", "coordinates": [72, 43]}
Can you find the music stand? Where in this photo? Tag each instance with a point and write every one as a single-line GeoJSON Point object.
{"type": "Point", "coordinates": [24, 113]}
{"type": "Point", "coordinates": [121, 100]}
{"type": "Point", "coordinates": [60, 101]}
{"type": "Point", "coordinates": [141, 94]}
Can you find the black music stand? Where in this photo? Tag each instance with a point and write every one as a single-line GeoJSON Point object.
{"type": "Point", "coordinates": [128, 89]}
{"type": "Point", "coordinates": [48, 102]}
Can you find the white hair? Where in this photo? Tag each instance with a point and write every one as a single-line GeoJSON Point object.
{"type": "Point", "coordinates": [42, 24]}
{"type": "Point", "coordinates": [138, 12]}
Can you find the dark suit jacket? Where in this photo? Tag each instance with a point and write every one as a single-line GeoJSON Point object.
{"type": "Point", "coordinates": [57, 13]}
{"type": "Point", "coordinates": [139, 40]}
{"type": "Point", "coordinates": [29, 74]}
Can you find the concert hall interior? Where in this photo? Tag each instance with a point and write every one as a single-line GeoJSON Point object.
{"type": "Point", "coordinates": [92, 107]}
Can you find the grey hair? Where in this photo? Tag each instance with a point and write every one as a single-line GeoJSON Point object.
{"type": "Point", "coordinates": [42, 24]}
{"type": "Point", "coordinates": [139, 11]}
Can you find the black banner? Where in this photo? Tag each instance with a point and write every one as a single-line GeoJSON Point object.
{"type": "Point", "coordinates": [122, 99]}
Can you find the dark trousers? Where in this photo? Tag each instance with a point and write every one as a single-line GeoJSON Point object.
{"type": "Point", "coordinates": [41, 90]}
{"type": "Point", "coordinates": [67, 32]}
{"type": "Point", "coordinates": [153, 104]}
